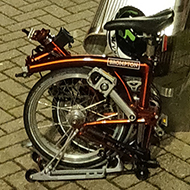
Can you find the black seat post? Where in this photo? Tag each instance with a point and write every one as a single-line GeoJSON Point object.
{"type": "Point", "coordinates": [150, 49]}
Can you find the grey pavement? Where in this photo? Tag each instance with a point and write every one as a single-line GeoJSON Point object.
{"type": "Point", "coordinates": [76, 16]}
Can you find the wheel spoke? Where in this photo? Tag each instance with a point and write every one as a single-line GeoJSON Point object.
{"type": "Point", "coordinates": [51, 106]}
{"type": "Point", "coordinates": [62, 150]}
{"type": "Point", "coordinates": [95, 104]}
{"type": "Point", "coordinates": [63, 137]}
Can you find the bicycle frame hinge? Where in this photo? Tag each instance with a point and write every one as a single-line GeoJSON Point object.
{"type": "Point", "coordinates": [104, 82]}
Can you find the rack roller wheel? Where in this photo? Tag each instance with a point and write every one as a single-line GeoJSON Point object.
{"type": "Point", "coordinates": [142, 172]}
{"type": "Point", "coordinates": [29, 173]}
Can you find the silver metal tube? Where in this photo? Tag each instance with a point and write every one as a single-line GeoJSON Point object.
{"type": "Point", "coordinates": [122, 105]}
{"type": "Point", "coordinates": [181, 10]}
{"type": "Point", "coordinates": [95, 41]}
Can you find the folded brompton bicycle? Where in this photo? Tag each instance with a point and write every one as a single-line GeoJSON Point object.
{"type": "Point", "coordinates": [93, 115]}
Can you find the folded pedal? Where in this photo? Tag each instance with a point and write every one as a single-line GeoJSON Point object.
{"type": "Point", "coordinates": [162, 123]}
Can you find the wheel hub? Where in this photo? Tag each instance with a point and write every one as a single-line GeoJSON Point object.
{"type": "Point", "coordinates": [77, 115]}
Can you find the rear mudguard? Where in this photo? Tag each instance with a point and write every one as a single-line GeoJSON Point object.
{"type": "Point", "coordinates": [66, 62]}
{"type": "Point", "coordinates": [84, 60]}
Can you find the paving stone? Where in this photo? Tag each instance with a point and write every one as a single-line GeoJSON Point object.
{"type": "Point", "coordinates": [35, 5]}
{"type": "Point", "coordinates": [156, 151]}
{"type": "Point", "coordinates": [9, 10]}
{"type": "Point", "coordinates": [184, 136]}
{"type": "Point", "coordinates": [17, 111]}
{"type": "Point", "coordinates": [79, 1]}
{"type": "Point", "coordinates": [51, 21]}
{"type": "Point", "coordinates": [97, 184]}
{"type": "Point", "coordinates": [81, 39]}
{"type": "Point", "coordinates": [2, 3]}
{"type": "Point", "coordinates": [57, 11]}
{"type": "Point", "coordinates": [26, 161]}
{"type": "Point", "coordinates": [94, 9]}
{"type": "Point", "coordinates": [143, 185]}
{"type": "Point", "coordinates": [18, 3]}
{"type": "Point", "coordinates": [78, 16]}
{"type": "Point", "coordinates": [2, 77]}
{"type": "Point", "coordinates": [7, 102]}
{"type": "Point", "coordinates": [27, 50]}
{"type": "Point", "coordinates": [85, 28]}
{"type": "Point", "coordinates": [5, 186]}
{"type": "Point", "coordinates": [70, 186]}
{"type": "Point", "coordinates": [12, 138]}
{"type": "Point", "coordinates": [2, 133]}
{"type": "Point", "coordinates": [82, 7]}
{"type": "Point", "coordinates": [19, 182]}
{"type": "Point", "coordinates": [174, 165]}
{"type": "Point", "coordinates": [79, 49]}
{"type": "Point", "coordinates": [22, 97]}
{"type": "Point", "coordinates": [5, 20]}
{"type": "Point", "coordinates": [90, 18]}
{"type": "Point", "coordinates": [125, 181]}
{"type": "Point", "coordinates": [32, 1]}
{"type": "Point", "coordinates": [20, 60]}
{"type": "Point", "coordinates": [76, 33]}
{"type": "Point", "coordinates": [176, 147]}
{"type": "Point", "coordinates": [5, 65]}
{"type": "Point", "coordinates": [187, 179]}
{"type": "Point", "coordinates": [29, 15]}
{"type": "Point", "coordinates": [30, 84]}
{"type": "Point", "coordinates": [3, 31]}
{"type": "Point", "coordinates": [13, 126]}
{"type": "Point", "coordinates": [12, 36]}
{"type": "Point", "coordinates": [165, 181]}
{"type": "Point", "coordinates": [13, 87]}
{"type": "Point", "coordinates": [8, 168]}
{"type": "Point", "coordinates": [76, 25]}
{"type": "Point", "coordinates": [24, 24]}
{"type": "Point", "coordinates": [12, 152]}
{"type": "Point", "coordinates": [9, 54]}
{"type": "Point", "coordinates": [65, 3]}
{"type": "Point", "coordinates": [59, 185]}
{"type": "Point", "coordinates": [5, 117]}
{"type": "Point", "coordinates": [154, 171]}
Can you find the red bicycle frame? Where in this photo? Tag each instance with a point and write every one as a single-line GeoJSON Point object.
{"type": "Point", "coordinates": [144, 113]}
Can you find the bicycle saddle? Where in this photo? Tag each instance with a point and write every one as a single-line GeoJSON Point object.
{"type": "Point", "coordinates": [150, 25]}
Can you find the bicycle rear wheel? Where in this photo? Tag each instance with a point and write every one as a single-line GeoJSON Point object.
{"type": "Point", "coordinates": [58, 103]}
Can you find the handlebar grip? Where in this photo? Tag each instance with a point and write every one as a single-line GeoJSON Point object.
{"type": "Point", "coordinates": [23, 74]}
{"type": "Point", "coordinates": [25, 31]}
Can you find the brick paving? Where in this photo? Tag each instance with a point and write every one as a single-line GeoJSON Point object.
{"type": "Point", "coordinates": [76, 15]}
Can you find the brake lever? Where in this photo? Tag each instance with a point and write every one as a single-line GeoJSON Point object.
{"type": "Point", "coordinates": [30, 35]}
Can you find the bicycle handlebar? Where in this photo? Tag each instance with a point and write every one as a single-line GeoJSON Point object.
{"type": "Point", "coordinates": [25, 31]}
